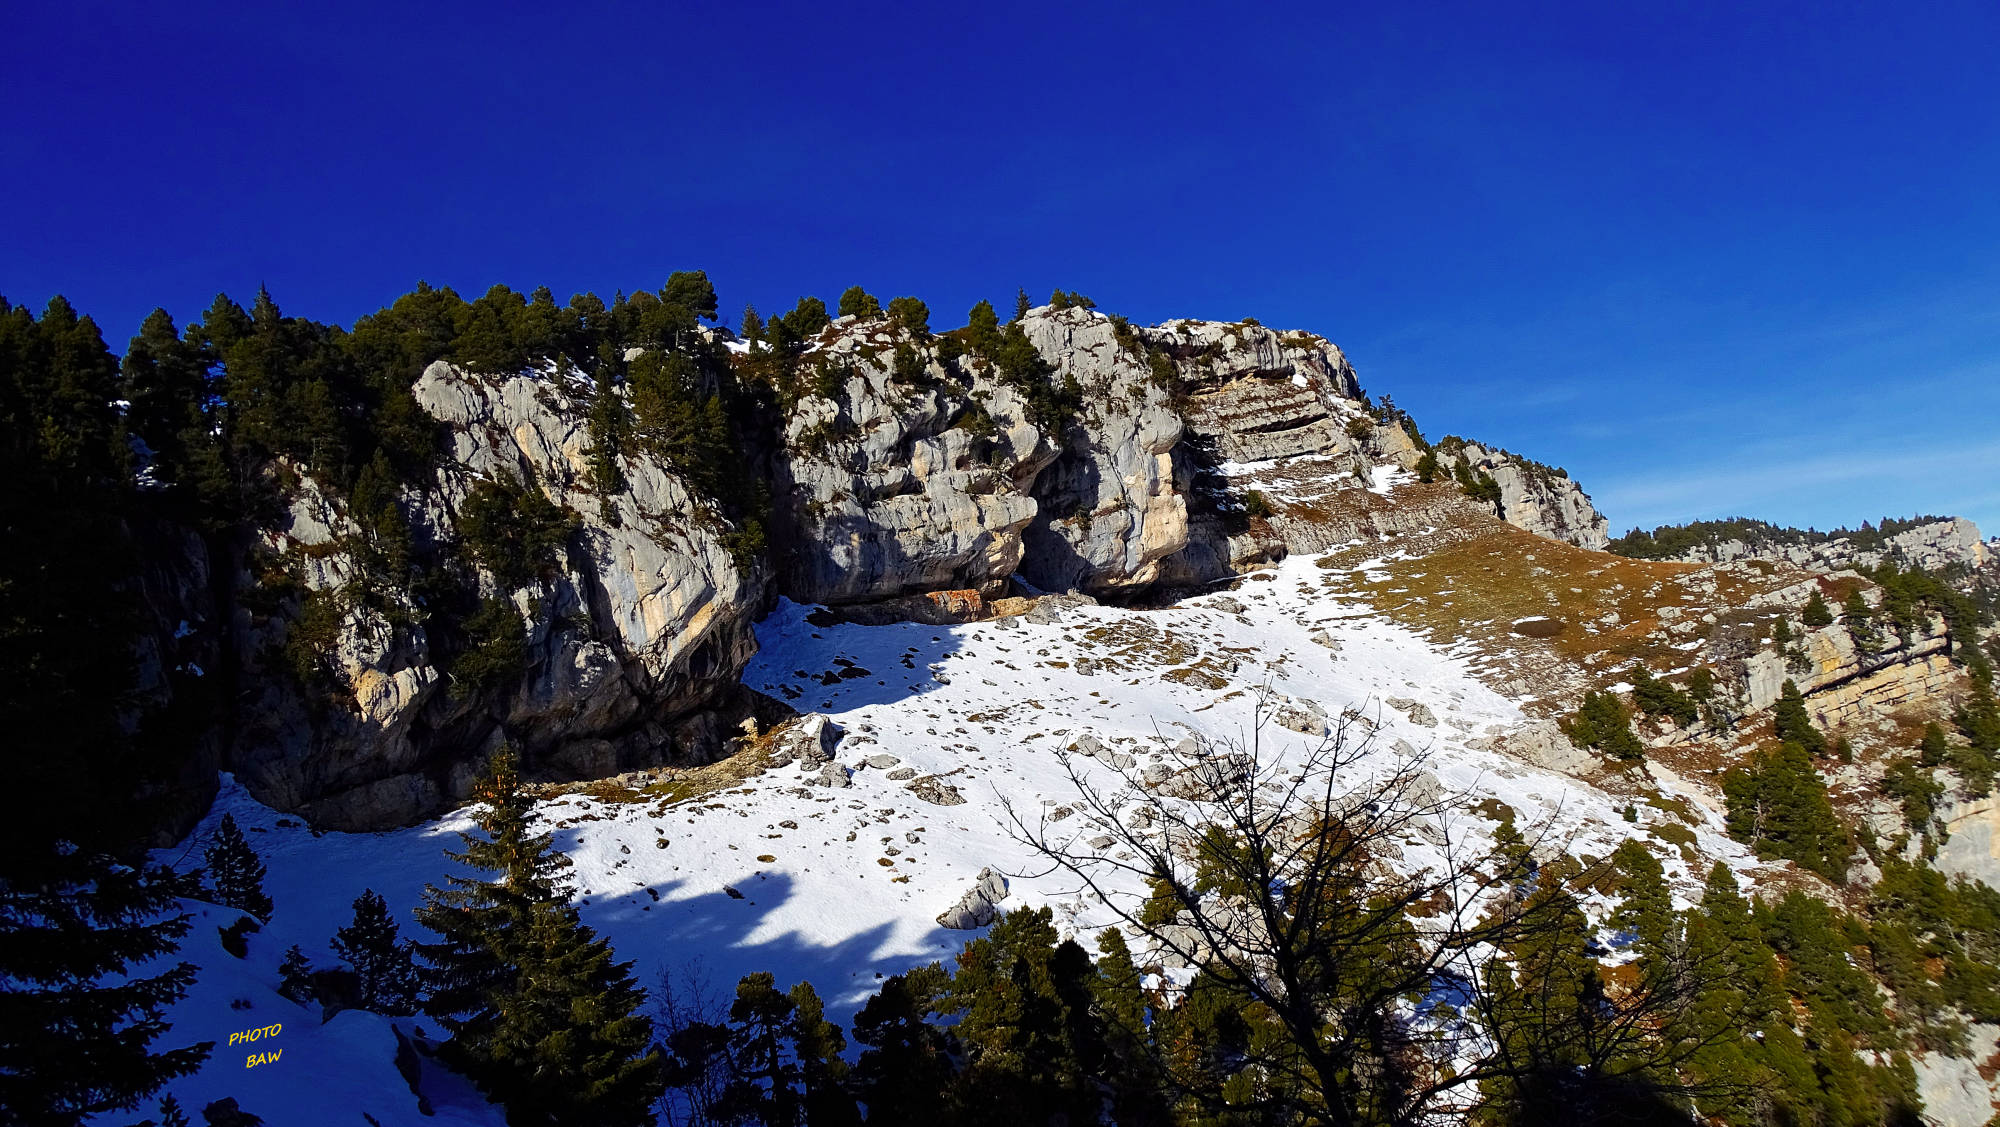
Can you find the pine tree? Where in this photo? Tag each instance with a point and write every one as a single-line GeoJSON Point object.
{"type": "Point", "coordinates": [75, 1031]}
{"type": "Point", "coordinates": [1021, 304]}
{"type": "Point", "coordinates": [857, 302]}
{"type": "Point", "coordinates": [817, 1045]}
{"type": "Point", "coordinates": [1816, 613]}
{"type": "Point", "coordinates": [690, 290]}
{"type": "Point", "coordinates": [380, 960]}
{"type": "Point", "coordinates": [982, 331]}
{"type": "Point", "coordinates": [1645, 905]}
{"type": "Point", "coordinates": [295, 976]}
{"type": "Point", "coordinates": [1792, 722]}
{"type": "Point", "coordinates": [1547, 1005]}
{"type": "Point", "coordinates": [1859, 620]}
{"type": "Point", "coordinates": [236, 872]}
{"type": "Point", "coordinates": [610, 424]}
{"type": "Point", "coordinates": [753, 326]}
{"type": "Point", "coordinates": [911, 315]}
{"type": "Point", "coordinates": [904, 1074]}
{"type": "Point", "coordinates": [1602, 722]}
{"type": "Point", "coordinates": [1935, 749]}
{"type": "Point", "coordinates": [765, 1088]}
{"type": "Point", "coordinates": [541, 1016]}
{"type": "Point", "coordinates": [1778, 806]}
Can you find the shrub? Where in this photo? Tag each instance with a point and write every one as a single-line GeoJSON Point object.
{"type": "Point", "coordinates": [1256, 505]}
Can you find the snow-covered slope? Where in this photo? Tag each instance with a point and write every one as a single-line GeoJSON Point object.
{"type": "Point", "coordinates": [944, 728]}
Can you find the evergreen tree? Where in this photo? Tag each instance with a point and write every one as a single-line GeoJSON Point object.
{"type": "Point", "coordinates": [1138, 1090]}
{"type": "Point", "coordinates": [690, 290]}
{"type": "Point", "coordinates": [1661, 698]}
{"type": "Point", "coordinates": [857, 302]}
{"type": "Point", "coordinates": [386, 976]}
{"type": "Point", "coordinates": [171, 1114]}
{"type": "Point", "coordinates": [1602, 723]}
{"type": "Point", "coordinates": [982, 331]}
{"type": "Point", "coordinates": [1859, 620]}
{"type": "Point", "coordinates": [1816, 613]}
{"type": "Point", "coordinates": [905, 1073]}
{"type": "Point", "coordinates": [1427, 467]}
{"type": "Point", "coordinates": [236, 872]}
{"type": "Point", "coordinates": [610, 424]}
{"type": "Point", "coordinates": [1645, 905]}
{"type": "Point", "coordinates": [817, 1045]}
{"type": "Point", "coordinates": [1778, 806]}
{"type": "Point", "coordinates": [911, 315]}
{"type": "Point", "coordinates": [541, 1016]}
{"type": "Point", "coordinates": [295, 976]}
{"type": "Point", "coordinates": [76, 1028]}
{"type": "Point", "coordinates": [1792, 722]}
{"type": "Point", "coordinates": [1935, 749]}
{"type": "Point", "coordinates": [753, 326]}
{"type": "Point", "coordinates": [765, 1087]}
{"type": "Point", "coordinates": [807, 318]}
{"type": "Point", "coordinates": [1021, 304]}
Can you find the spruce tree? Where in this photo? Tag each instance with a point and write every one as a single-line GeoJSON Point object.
{"type": "Point", "coordinates": [1816, 613]}
{"type": "Point", "coordinates": [753, 326]}
{"type": "Point", "coordinates": [1021, 304]}
{"type": "Point", "coordinates": [235, 871]}
{"type": "Point", "coordinates": [541, 1016]}
{"type": "Point", "coordinates": [76, 1032]}
{"type": "Point", "coordinates": [171, 1114]}
{"type": "Point", "coordinates": [385, 973]}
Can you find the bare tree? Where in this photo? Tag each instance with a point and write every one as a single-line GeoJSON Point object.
{"type": "Point", "coordinates": [1329, 890]}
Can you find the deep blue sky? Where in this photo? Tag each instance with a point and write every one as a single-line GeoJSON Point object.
{"type": "Point", "coordinates": [1711, 260]}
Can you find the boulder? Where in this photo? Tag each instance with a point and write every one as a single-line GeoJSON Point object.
{"type": "Point", "coordinates": [979, 906]}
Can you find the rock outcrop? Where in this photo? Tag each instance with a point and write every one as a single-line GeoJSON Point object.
{"type": "Point", "coordinates": [1108, 510]}
{"type": "Point", "coordinates": [1933, 546]}
{"type": "Point", "coordinates": [1539, 499]}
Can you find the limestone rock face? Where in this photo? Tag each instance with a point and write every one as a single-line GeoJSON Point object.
{"type": "Point", "coordinates": [643, 624]}
{"type": "Point", "coordinates": [1258, 394]}
{"type": "Point", "coordinates": [892, 487]}
{"type": "Point", "coordinates": [1538, 499]}
{"type": "Point", "coordinates": [1841, 683]}
{"type": "Point", "coordinates": [1109, 511]}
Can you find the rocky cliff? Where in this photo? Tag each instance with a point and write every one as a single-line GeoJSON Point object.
{"type": "Point", "coordinates": [906, 470]}
{"type": "Point", "coordinates": [633, 636]}
{"type": "Point", "coordinates": [1933, 546]}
